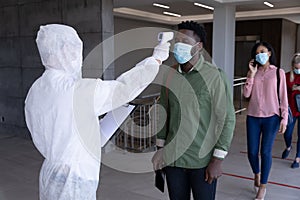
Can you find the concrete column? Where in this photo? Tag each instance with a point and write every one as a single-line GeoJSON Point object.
{"type": "Point", "coordinates": [99, 44]}
{"type": "Point", "coordinates": [107, 23]}
{"type": "Point", "coordinates": [20, 63]}
{"type": "Point", "coordinates": [224, 39]}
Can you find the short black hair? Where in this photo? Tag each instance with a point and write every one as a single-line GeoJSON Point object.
{"type": "Point", "coordinates": [272, 58]}
{"type": "Point", "coordinates": [196, 27]}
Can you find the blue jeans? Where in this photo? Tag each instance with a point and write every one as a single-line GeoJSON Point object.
{"type": "Point", "coordinates": [267, 128]}
{"type": "Point", "coordinates": [182, 181]}
{"type": "Point", "coordinates": [288, 135]}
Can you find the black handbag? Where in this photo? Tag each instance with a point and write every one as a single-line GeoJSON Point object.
{"type": "Point", "coordinates": [297, 99]}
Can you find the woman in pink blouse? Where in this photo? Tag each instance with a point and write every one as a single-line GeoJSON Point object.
{"type": "Point", "coordinates": [263, 118]}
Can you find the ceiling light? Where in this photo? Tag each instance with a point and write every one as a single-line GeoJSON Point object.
{"type": "Point", "coordinates": [203, 6]}
{"type": "Point", "coordinates": [172, 14]}
{"type": "Point", "coordinates": [268, 4]}
{"type": "Point", "coordinates": [161, 6]}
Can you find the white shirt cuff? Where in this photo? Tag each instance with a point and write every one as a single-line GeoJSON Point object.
{"type": "Point", "coordinates": [160, 142]}
{"type": "Point", "coordinates": [220, 153]}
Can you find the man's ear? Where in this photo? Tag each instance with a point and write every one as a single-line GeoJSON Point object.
{"type": "Point", "coordinates": [198, 47]}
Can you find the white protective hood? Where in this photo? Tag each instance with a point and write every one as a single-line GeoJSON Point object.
{"type": "Point", "coordinates": [60, 49]}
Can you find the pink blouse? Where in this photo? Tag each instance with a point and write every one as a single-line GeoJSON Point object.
{"type": "Point", "coordinates": [262, 90]}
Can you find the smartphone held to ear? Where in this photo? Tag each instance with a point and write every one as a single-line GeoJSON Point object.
{"type": "Point", "coordinates": [254, 63]}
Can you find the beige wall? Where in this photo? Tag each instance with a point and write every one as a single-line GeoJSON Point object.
{"type": "Point", "coordinates": [288, 44]}
{"type": "Point", "coordinates": [298, 38]}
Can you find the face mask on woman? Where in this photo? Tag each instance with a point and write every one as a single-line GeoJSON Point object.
{"type": "Point", "coordinates": [182, 52]}
{"type": "Point", "coordinates": [262, 58]}
{"type": "Point", "coordinates": [297, 71]}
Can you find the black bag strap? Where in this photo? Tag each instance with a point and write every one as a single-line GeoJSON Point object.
{"type": "Point", "coordinates": [278, 85]}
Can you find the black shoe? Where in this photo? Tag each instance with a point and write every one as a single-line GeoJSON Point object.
{"type": "Point", "coordinates": [295, 165]}
{"type": "Point", "coordinates": [286, 153]}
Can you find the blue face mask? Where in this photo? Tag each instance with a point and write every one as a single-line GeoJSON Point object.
{"type": "Point", "coordinates": [262, 58]}
{"type": "Point", "coordinates": [297, 71]}
{"type": "Point", "coordinates": [182, 52]}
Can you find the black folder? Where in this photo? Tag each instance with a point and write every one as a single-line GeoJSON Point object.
{"type": "Point", "coordinates": [160, 180]}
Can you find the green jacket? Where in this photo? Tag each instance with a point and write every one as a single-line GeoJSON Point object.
{"type": "Point", "coordinates": [199, 114]}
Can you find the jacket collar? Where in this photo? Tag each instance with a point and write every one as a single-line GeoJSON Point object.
{"type": "Point", "coordinates": [196, 67]}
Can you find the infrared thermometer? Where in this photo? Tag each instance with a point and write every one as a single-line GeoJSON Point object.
{"type": "Point", "coordinates": [164, 37]}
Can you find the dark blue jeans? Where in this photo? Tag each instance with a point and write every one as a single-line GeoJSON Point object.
{"type": "Point", "coordinates": [288, 135]}
{"type": "Point", "coordinates": [182, 181]}
{"type": "Point", "coordinates": [267, 128]}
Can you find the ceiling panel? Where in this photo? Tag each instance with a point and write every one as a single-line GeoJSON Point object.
{"type": "Point", "coordinates": [186, 8]}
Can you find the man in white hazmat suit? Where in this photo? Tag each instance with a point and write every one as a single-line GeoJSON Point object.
{"type": "Point", "coordinates": [62, 110]}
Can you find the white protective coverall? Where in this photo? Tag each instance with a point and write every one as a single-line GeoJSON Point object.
{"type": "Point", "coordinates": [62, 110]}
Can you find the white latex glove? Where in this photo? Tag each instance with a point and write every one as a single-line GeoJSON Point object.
{"type": "Point", "coordinates": [157, 160]}
{"type": "Point", "coordinates": [161, 51]}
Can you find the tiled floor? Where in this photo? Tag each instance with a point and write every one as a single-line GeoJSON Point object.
{"type": "Point", "coordinates": [20, 164]}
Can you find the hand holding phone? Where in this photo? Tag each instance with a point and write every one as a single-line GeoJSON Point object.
{"type": "Point", "coordinates": [252, 68]}
{"type": "Point", "coordinates": [254, 63]}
